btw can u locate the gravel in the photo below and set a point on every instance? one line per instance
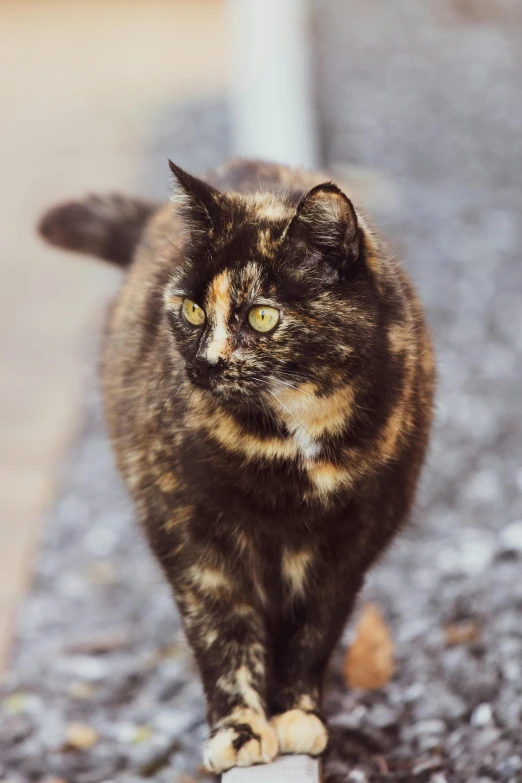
(101, 685)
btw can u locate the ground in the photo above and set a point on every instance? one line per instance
(427, 95)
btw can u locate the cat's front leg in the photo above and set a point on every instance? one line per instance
(227, 635)
(296, 701)
(304, 646)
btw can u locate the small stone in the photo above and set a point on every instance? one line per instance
(428, 742)
(475, 556)
(483, 487)
(382, 716)
(129, 733)
(125, 732)
(85, 667)
(485, 738)
(440, 704)
(80, 736)
(427, 764)
(511, 537)
(471, 557)
(428, 727)
(172, 722)
(481, 716)
(510, 766)
(100, 541)
(414, 692)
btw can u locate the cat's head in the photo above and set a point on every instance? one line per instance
(275, 290)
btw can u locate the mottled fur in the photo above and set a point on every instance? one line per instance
(269, 471)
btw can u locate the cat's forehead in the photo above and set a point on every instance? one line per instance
(268, 206)
(235, 286)
(250, 243)
(256, 224)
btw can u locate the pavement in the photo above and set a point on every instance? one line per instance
(101, 685)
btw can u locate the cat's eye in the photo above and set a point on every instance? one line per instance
(193, 313)
(263, 318)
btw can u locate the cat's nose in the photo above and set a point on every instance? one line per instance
(206, 370)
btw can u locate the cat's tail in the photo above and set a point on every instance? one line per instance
(105, 226)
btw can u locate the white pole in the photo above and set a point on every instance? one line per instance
(270, 81)
(285, 769)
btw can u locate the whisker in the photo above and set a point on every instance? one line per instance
(290, 413)
(161, 375)
(291, 386)
(187, 404)
(171, 394)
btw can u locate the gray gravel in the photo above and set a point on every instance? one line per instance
(429, 94)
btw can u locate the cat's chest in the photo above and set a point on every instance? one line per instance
(307, 447)
(291, 464)
(278, 473)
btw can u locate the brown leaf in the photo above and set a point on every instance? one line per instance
(107, 642)
(81, 690)
(79, 736)
(465, 632)
(369, 662)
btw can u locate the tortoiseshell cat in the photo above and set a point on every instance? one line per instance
(268, 382)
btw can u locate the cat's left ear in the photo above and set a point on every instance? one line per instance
(325, 221)
(198, 203)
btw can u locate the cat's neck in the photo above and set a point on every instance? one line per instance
(298, 411)
(310, 414)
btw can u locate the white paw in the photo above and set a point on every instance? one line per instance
(243, 739)
(300, 732)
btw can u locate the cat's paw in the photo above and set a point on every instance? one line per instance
(300, 732)
(243, 739)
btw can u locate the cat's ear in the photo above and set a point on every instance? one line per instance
(197, 202)
(325, 222)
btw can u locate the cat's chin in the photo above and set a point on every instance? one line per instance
(233, 395)
(226, 393)
(236, 397)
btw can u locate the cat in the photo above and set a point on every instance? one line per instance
(268, 381)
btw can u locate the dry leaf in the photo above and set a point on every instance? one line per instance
(107, 642)
(369, 662)
(81, 690)
(466, 632)
(15, 703)
(184, 778)
(143, 734)
(79, 736)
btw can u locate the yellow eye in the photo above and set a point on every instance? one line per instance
(263, 318)
(192, 313)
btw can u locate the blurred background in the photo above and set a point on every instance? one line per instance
(417, 107)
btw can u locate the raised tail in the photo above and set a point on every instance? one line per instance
(105, 226)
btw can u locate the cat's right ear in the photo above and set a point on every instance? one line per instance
(197, 202)
(325, 223)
